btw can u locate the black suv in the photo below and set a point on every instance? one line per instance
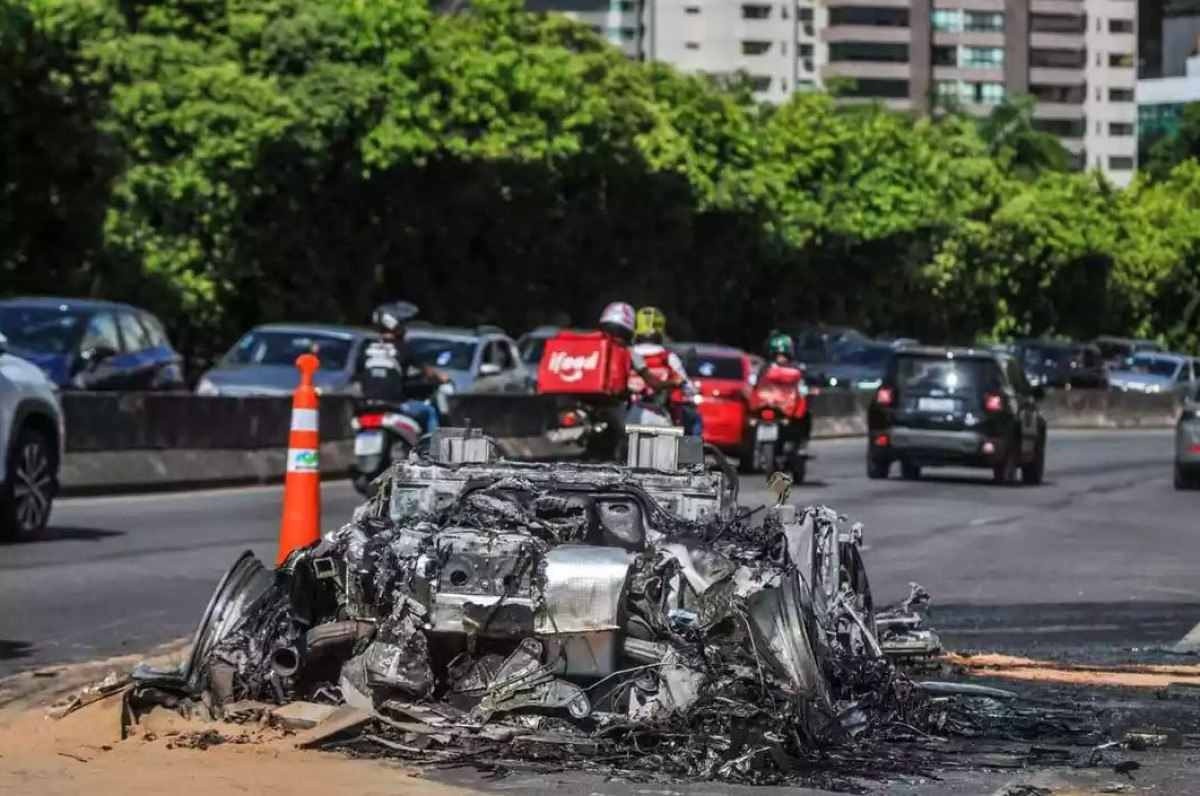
(956, 407)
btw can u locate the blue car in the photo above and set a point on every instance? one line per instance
(88, 344)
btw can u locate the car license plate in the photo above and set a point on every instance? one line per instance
(767, 432)
(368, 443)
(944, 405)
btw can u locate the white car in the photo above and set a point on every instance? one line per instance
(31, 444)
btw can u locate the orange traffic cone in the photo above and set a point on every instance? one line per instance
(301, 525)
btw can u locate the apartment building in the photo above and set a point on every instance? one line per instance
(624, 23)
(1076, 57)
(776, 44)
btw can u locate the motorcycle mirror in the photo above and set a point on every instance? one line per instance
(489, 369)
(3, 344)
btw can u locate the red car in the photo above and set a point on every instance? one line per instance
(721, 375)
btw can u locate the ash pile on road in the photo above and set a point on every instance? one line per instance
(630, 618)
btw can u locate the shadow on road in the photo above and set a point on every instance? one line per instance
(981, 480)
(67, 533)
(10, 650)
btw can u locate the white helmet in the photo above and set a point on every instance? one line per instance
(390, 317)
(617, 320)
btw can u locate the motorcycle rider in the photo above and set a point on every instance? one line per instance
(661, 369)
(386, 368)
(781, 351)
(781, 368)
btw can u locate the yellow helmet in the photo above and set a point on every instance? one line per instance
(650, 322)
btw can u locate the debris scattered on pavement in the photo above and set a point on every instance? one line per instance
(625, 619)
(1179, 680)
(110, 686)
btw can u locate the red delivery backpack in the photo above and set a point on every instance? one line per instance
(583, 363)
(780, 387)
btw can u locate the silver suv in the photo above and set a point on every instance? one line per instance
(31, 446)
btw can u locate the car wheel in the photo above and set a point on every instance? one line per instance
(910, 471)
(1005, 471)
(799, 471)
(1184, 480)
(1033, 473)
(28, 496)
(877, 468)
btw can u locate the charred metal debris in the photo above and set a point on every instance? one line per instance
(628, 617)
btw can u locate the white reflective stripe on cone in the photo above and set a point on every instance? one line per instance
(303, 460)
(304, 420)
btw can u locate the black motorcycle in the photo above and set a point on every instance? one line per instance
(779, 443)
(384, 434)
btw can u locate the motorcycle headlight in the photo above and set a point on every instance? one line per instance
(206, 388)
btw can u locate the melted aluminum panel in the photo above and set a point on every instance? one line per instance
(583, 589)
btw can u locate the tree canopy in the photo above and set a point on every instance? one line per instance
(227, 162)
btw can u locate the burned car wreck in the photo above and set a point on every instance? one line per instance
(604, 607)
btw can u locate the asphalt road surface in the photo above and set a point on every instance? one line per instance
(1103, 557)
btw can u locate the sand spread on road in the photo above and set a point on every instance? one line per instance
(83, 752)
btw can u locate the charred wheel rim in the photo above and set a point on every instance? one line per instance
(33, 485)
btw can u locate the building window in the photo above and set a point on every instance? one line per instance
(945, 21)
(983, 22)
(692, 45)
(1063, 128)
(1057, 23)
(755, 47)
(1120, 163)
(1058, 59)
(983, 57)
(876, 17)
(868, 51)
(1099, 94)
(691, 10)
(760, 83)
(805, 50)
(1066, 94)
(946, 90)
(1099, 127)
(988, 93)
(804, 14)
(881, 89)
(1120, 95)
(1120, 26)
(756, 12)
(1120, 60)
(783, 11)
(629, 34)
(945, 56)
(1120, 129)
(627, 6)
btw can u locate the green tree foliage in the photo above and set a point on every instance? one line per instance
(1020, 147)
(1172, 149)
(227, 162)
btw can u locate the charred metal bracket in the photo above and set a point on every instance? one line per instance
(522, 682)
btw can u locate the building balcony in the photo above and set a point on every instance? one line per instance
(1075, 7)
(1057, 41)
(893, 103)
(871, 33)
(989, 39)
(866, 69)
(1046, 75)
(869, 3)
(1068, 111)
(1076, 146)
(969, 73)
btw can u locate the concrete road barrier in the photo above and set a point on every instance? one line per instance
(104, 472)
(151, 440)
